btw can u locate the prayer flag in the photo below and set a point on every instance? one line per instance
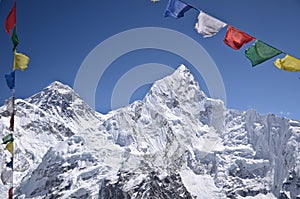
(20, 61)
(10, 80)
(260, 52)
(10, 22)
(236, 38)
(7, 176)
(10, 104)
(12, 121)
(11, 163)
(10, 193)
(176, 8)
(7, 138)
(10, 148)
(288, 63)
(15, 38)
(207, 25)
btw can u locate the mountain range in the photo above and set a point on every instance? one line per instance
(174, 143)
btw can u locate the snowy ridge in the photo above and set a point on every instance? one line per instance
(175, 143)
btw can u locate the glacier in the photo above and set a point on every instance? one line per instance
(174, 143)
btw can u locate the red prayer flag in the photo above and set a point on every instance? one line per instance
(236, 38)
(12, 121)
(10, 193)
(10, 22)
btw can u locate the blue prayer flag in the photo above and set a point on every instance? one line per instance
(176, 8)
(11, 163)
(10, 80)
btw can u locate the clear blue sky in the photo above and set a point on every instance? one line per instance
(59, 34)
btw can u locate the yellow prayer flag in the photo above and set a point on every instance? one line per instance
(288, 63)
(20, 61)
(10, 148)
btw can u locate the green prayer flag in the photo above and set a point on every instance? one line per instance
(260, 52)
(7, 138)
(15, 38)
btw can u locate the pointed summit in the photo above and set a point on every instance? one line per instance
(183, 74)
(62, 88)
(180, 86)
(54, 95)
(55, 90)
(61, 100)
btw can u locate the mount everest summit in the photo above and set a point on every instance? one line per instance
(175, 143)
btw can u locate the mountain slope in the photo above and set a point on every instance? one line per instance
(175, 143)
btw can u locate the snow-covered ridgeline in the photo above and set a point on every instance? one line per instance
(176, 140)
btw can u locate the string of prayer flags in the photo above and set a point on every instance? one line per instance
(207, 25)
(10, 148)
(21, 61)
(15, 39)
(236, 38)
(8, 138)
(10, 80)
(288, 63)
(260, 52)
(10, 22)
(176, 9)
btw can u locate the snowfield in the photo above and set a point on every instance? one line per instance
(175, 143)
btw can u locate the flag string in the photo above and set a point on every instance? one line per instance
(209, 26)
(21, 62)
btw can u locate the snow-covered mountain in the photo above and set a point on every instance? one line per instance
(175, 143)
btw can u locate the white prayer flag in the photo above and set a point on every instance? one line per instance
(207, 25)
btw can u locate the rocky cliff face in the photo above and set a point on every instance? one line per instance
(175, 143)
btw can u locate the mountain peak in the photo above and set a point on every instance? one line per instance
(181, 84)
(62, 88)
(183, 68)
(182, 73)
